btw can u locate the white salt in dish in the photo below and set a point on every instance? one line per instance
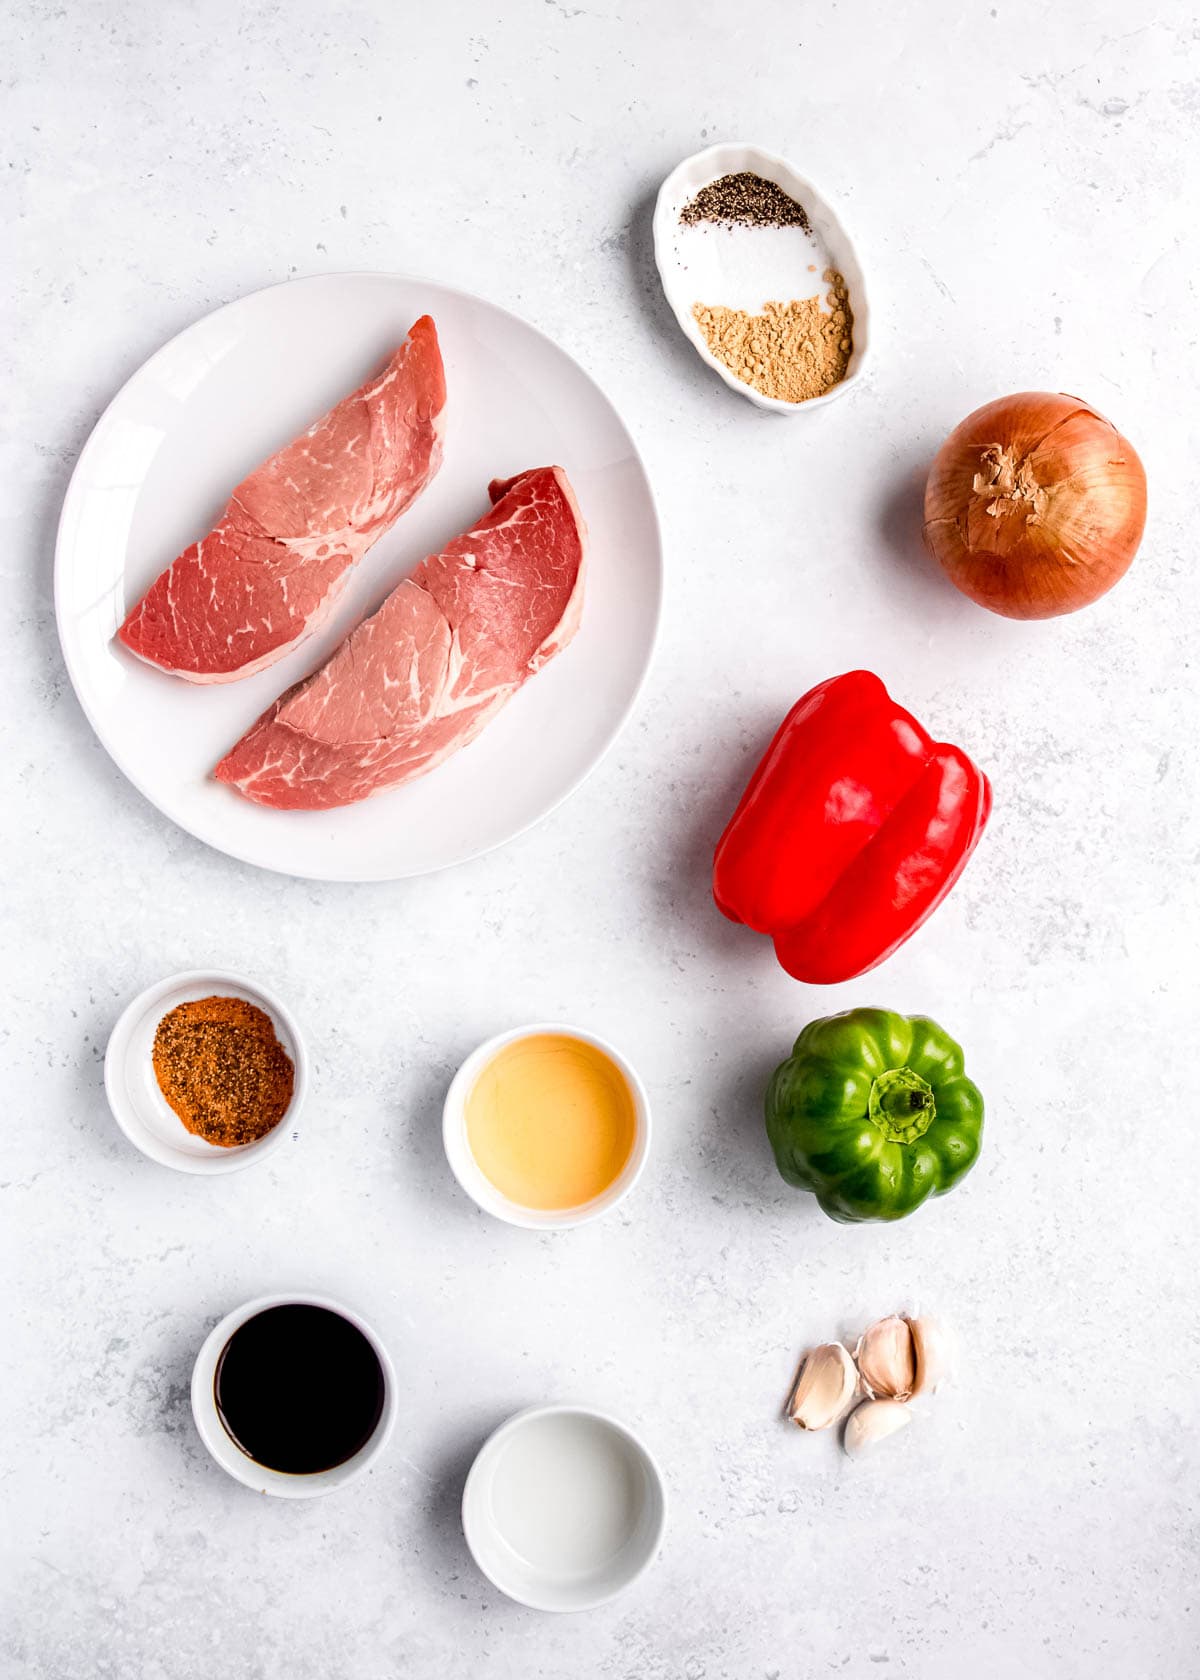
(744, 267)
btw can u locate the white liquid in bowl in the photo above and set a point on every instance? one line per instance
(563, 1509)
(567, 1497)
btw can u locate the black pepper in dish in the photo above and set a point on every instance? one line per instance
(745, 197)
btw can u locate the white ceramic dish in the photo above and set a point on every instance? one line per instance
(216, 401)
(481, 1189)
(230, 1456)
(682, 185)
(139, 1107)
(564, 1508)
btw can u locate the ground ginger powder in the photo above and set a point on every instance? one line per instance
(792, 351)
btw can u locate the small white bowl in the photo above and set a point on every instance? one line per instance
(564, 1508)
(682, 185)
(137, 1103)
(226, 1451)
(481, 1189)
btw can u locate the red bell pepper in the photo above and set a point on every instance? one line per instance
(853, 829)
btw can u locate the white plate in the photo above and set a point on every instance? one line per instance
(220, 398)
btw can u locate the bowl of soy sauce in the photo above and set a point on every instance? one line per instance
(293, 1395)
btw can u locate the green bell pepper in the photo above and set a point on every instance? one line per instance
(873, 1113)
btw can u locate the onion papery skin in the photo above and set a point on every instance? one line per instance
(1035, 505)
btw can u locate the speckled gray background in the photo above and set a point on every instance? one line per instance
(1023, 181)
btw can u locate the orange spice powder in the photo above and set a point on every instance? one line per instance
(222, 1069)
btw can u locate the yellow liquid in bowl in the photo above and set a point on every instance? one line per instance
(551, 1122)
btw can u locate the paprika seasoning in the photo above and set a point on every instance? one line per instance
(222, 1069)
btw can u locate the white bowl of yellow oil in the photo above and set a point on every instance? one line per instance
(564, 1508)
(546, 1126)
(721, 264)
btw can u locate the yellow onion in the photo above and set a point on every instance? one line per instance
(1035, 505)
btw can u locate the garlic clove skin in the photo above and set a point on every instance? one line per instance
(934, 1353)
(873, 1421)
(825, 1385)
(887, 1360)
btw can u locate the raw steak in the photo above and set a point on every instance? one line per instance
(443, 654)
(268, 574)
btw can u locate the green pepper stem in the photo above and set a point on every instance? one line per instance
(902, 1105)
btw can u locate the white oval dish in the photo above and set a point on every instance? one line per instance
(481, 1189)
(137, 1103)
(217, 400)
(682, 185)
(230, 1456)
(564, 1508)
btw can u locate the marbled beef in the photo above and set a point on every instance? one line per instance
(446, 650)
(268, 574)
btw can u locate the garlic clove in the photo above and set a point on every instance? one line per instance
(933, 1350)
(825, 1385)
(873, 1421)
(886, 1357)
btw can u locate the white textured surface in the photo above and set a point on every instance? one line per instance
(1022, 184)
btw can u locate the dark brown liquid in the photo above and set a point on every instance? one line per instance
(299, 1389)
